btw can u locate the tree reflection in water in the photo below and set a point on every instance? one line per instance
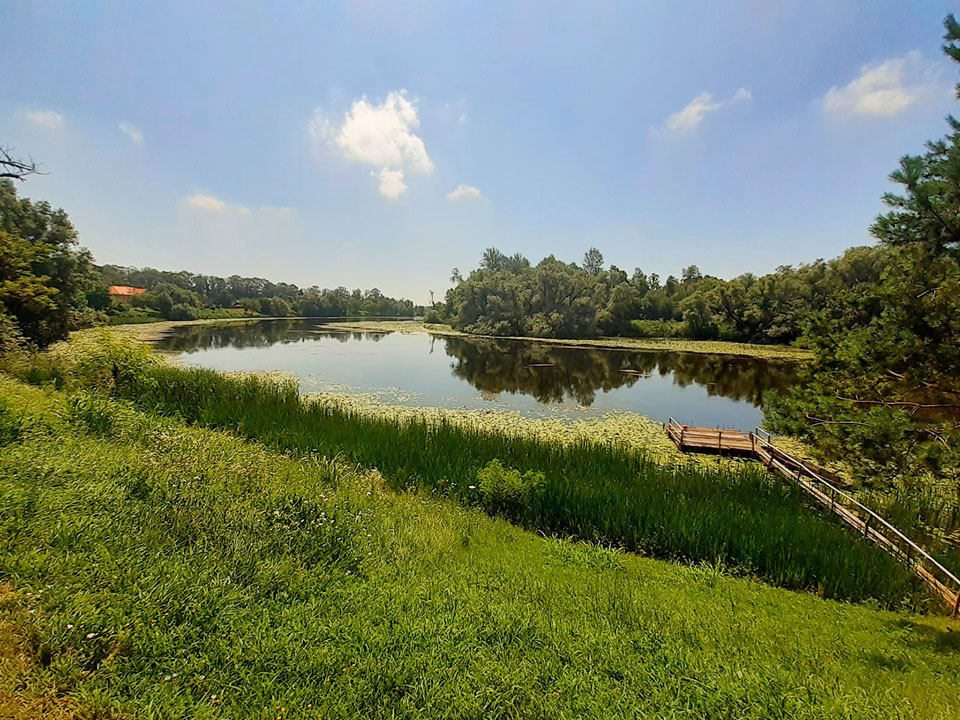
(552, 373)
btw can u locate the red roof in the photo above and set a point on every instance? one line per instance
(126, 290)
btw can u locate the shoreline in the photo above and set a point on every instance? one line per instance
(706, 347)
(151, 332)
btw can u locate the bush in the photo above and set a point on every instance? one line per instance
(658, 328)
(182, 311)
(504, 491)
(434, 315)
(107, 362)
(11, 339)
(86, 317)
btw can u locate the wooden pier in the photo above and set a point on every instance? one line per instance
(812, 479)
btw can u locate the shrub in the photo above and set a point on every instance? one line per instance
(504, 491)
(107, 362)
(182, 311)
(657, 328)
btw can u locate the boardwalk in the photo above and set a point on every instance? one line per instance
(813, 480)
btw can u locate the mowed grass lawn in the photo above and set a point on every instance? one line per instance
(156, 570)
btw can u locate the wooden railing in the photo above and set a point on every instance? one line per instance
(865, 520)
(816, 482)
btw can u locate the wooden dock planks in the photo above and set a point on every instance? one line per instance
(710, 440)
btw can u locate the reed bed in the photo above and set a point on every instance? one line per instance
(602, 493)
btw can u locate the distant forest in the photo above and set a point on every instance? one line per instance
(184, 295)
(508, 296)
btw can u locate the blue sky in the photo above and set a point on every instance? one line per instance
(380, 144)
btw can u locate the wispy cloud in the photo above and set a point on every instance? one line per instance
(378, 135)
(131, 131)
(213, 204)
(691, 116)
(464, 192)
(884, 89)
(44, 118)
(205, 203)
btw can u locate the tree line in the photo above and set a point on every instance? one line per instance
(508, 296)
(179, 295)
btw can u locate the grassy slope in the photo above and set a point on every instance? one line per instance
(178, 557)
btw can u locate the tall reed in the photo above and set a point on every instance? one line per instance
(603, 493)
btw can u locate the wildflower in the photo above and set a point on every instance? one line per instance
(69, 627)
(471, 487)
(90, 636)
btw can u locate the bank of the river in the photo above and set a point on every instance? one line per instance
(151, 569)
(710, 347)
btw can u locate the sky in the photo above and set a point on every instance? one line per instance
(381, 144)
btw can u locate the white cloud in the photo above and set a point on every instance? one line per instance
(45, 118)
(885, 89)
(690, 117)
(131, 131)
(378, 135)
(391, 183)
(464, 192)
(211, 203)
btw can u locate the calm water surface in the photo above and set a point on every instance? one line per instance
(532, 378)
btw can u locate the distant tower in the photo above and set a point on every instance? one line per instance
(431, 298)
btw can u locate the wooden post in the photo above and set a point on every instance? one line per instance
(956, 605)
(866, 527)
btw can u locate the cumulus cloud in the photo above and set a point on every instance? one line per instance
(884, 89)
(382, 136)
(464, 192)
(213, 204)
(392, 185)
(131, 131)
(689, 117)
(45, 118)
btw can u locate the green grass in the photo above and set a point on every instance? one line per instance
(164, 571)
(741, 517)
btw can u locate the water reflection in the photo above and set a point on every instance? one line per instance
(552, 373)
(479, 372)
(253, 334)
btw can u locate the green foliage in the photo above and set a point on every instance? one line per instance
(107, 362)
(11, 423)
(656, 328)
(610, 494)
(44, 276)
(93, 411)
(505, 491)
(174, 572)
(883, 385)
(508, 296)
(255, 295)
